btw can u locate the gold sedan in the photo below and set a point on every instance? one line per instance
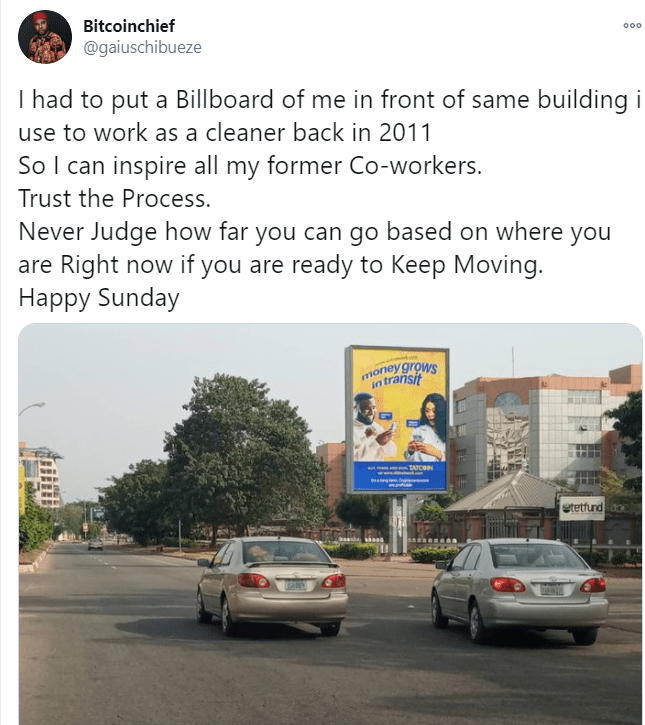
(272, 579)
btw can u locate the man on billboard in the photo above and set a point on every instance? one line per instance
(371, 441)
(428, 441)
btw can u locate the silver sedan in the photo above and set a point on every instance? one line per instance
(531, 583)
(272, 579)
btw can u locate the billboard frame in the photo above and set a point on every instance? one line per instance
(349, 419)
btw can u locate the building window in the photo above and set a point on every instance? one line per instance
(507, 433)
(584, 423)
(31, 468)
(460, 405)
(461, 455)
(587, 478)
(461, 482)
(507, 400)
(584, 450)
(461, 430)
(584, 396)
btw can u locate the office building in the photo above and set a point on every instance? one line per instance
(553, 427)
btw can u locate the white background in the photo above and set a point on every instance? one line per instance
(539, 167)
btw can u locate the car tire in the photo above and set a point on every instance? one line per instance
(476, 628)
(330, 630)
(585, 636)
(203, 617)
(228, 625)
(438, 620)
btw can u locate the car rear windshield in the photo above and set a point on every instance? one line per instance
(541, 556)
(284, 551)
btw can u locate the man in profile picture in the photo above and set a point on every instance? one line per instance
(45, 46)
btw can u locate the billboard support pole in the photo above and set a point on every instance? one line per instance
(398, 524)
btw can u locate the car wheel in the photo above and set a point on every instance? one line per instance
(228, 626)
(438, 620)
(330, 630)
(476, 627)
(585, 636)
(203, 617)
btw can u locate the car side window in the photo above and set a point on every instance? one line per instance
(228, 555)
(473, 558)
(219, 557)
(459, 560)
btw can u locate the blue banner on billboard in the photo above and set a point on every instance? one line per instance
(399, 477)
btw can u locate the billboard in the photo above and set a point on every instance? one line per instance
(22, 500)
(396, 419)
(582, 508)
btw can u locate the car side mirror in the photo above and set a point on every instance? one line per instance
(203, 562)
(442, 564)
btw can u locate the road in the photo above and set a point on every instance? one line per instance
(109, 638)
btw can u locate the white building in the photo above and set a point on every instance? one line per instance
(553, 427)
(41, 471)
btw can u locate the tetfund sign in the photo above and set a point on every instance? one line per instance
(582, 508)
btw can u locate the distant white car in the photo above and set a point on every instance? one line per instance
(531, 583)
(272, 579)
(95, 544)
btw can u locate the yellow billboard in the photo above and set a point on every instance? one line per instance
(21, 489)
(397, 419)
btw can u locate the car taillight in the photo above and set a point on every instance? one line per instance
(255, 581)
(507, 584)
(335, 581)
(593, 586)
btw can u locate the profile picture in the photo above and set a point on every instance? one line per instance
(45, 37)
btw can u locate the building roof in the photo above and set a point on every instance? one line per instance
(515, 489)
(42, 452)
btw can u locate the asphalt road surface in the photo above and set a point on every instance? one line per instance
(110, 638)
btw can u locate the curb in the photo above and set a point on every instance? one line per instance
(31, 568)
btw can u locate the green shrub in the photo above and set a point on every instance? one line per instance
(635, 559)
(430, 554)
(598, 557)
(356, 551)
(331, 549)
(173, 542)
(35, 525)
(619, 558)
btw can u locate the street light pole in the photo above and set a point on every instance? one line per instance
(33, 405)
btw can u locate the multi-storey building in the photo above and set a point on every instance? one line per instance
(41, 471)
(332, 457)
(552, 426)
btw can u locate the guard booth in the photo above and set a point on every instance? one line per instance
(524, 522)
(517, 505)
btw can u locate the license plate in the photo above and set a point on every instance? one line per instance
(552, 590)
(295, 585)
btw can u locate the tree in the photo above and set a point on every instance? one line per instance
(629, 424)
(431, 512)
(135, 502)
(72, 516)
(241, 459)
(35, 525)
(366, 512)
(618, 494)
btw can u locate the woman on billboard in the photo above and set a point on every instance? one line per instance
(428, 441)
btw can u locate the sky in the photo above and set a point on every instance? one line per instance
(112, 391)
